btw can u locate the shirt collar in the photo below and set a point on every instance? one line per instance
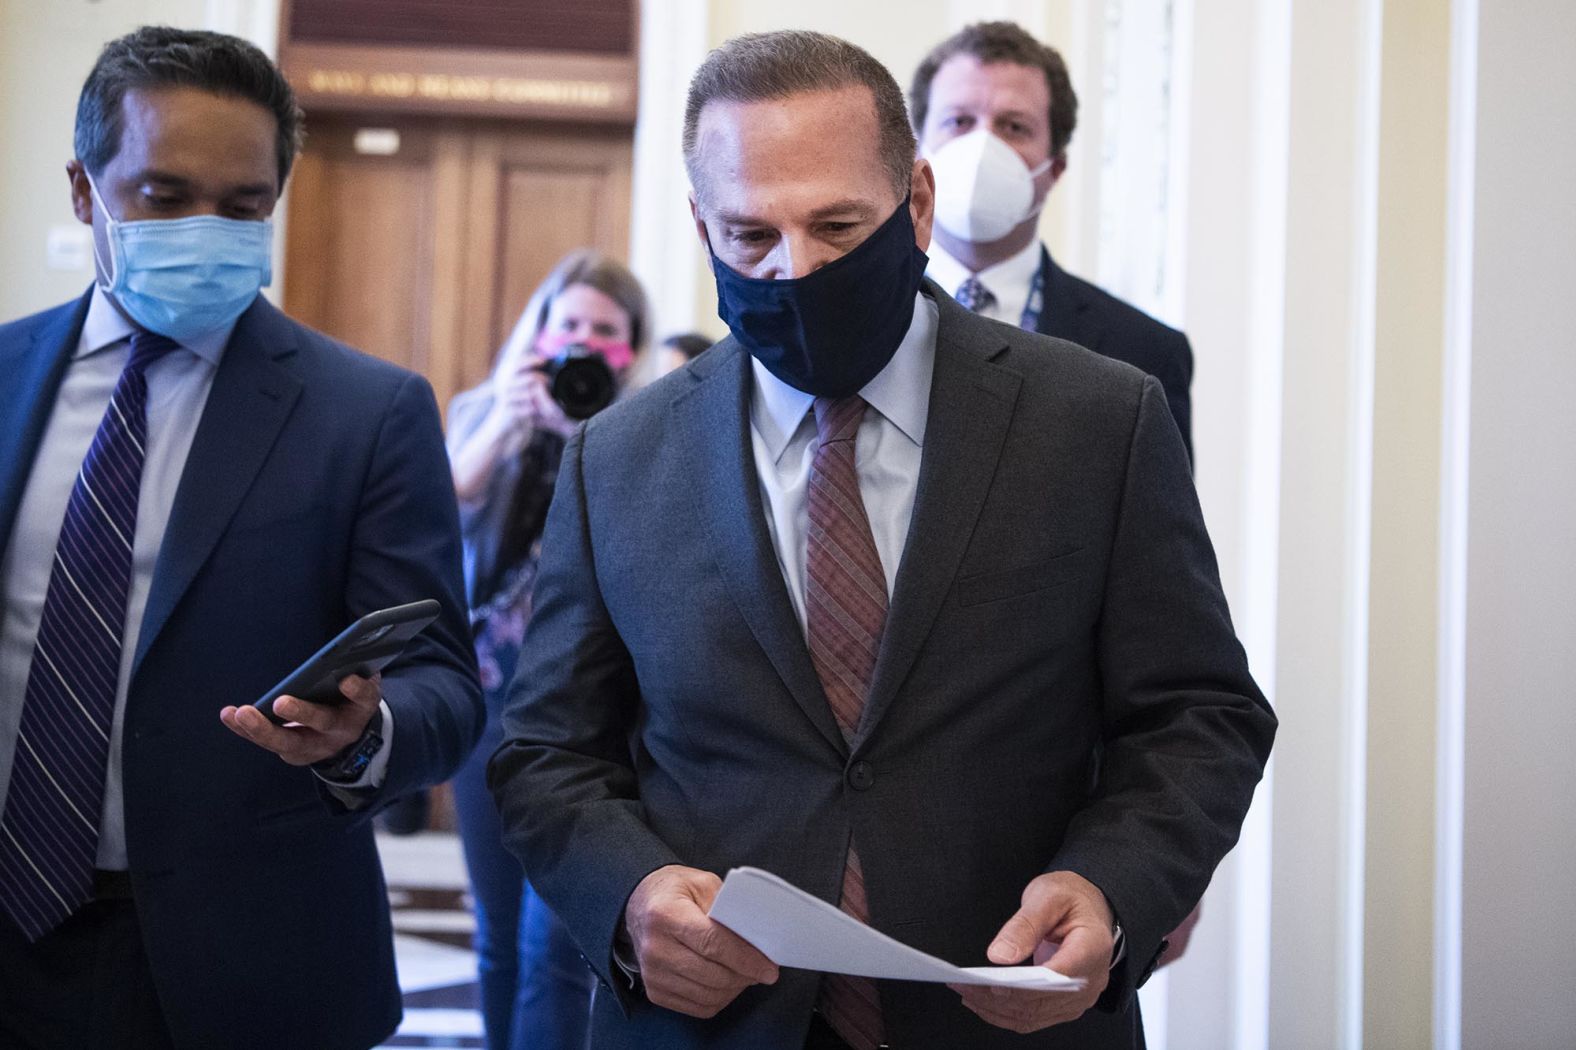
(900, 391)
(105, 326)
(1013, 272)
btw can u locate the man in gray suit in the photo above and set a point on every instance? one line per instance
(949, 648)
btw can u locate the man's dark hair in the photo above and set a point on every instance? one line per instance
(991, 42)
(161, 57)
(757, 67)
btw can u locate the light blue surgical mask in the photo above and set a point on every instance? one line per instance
(185, 278)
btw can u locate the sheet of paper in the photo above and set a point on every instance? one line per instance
(792, 928)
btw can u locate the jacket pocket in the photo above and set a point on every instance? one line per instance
(1001, 584)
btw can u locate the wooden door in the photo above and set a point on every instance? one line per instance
(426, 255)
(535, 195)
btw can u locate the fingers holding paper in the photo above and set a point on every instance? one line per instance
(1058, 908)
(688, 962)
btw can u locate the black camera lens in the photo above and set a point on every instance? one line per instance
(580, 381)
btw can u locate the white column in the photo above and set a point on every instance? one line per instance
(1233, 104)
(254, 20)
(663, 250)
(1450, 744)
(1321, 674)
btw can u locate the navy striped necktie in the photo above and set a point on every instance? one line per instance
(50, 828)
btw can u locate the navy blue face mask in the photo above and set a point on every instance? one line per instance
(833, 330)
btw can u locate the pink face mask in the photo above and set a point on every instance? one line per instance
(618, 355)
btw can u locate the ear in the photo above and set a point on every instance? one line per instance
(81, 192)
(1058, 166)
(922, 202)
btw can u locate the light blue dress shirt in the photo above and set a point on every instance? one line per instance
(887, 452)
(178, 386)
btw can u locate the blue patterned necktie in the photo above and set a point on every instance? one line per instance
(50, 828)
(974, 296)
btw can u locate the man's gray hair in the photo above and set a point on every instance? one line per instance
(758, 67)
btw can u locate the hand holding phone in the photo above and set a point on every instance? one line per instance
(363, 649)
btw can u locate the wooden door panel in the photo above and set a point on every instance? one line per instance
(543, 215)
(426, 257)
(380, 259)
(358, 255)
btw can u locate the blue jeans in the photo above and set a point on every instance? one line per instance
(536, 989)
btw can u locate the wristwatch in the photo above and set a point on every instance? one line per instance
(350, 764)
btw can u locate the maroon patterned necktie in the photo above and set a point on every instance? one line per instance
(845, 610)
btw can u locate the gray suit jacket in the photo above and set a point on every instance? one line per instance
(1059, 685)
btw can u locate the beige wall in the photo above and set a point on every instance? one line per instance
(1403, 601)
(46, 50)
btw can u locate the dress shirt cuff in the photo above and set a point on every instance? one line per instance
(354, 794)
(624, 958)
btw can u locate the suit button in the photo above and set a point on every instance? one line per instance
(861, 776)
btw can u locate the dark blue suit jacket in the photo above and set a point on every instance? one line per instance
(316, 490)
(1081, 313)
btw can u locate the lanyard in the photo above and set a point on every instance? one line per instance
(1030, 322)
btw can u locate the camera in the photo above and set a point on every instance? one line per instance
(580, 380)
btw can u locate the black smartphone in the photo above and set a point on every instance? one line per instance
(363, 648)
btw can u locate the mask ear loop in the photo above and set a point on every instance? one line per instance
(110, 222)
(1034, 173)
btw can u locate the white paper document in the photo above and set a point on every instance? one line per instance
(792, 928)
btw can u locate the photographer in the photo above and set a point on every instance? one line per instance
(574, 345)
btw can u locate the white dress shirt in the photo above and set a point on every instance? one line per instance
(178, 386)
(887, 452)
(1009, 280)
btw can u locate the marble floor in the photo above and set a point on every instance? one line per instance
(432, 940)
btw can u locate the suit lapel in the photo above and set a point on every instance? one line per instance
(715, 415)
(1065, 314)
(33, 370)
(251, 397)
(971, 406)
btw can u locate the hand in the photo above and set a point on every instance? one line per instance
(688, 962)
(527, 403)
(1057, 907)
(315, 731)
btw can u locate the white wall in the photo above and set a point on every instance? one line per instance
(47, 48)
(1518, 965)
